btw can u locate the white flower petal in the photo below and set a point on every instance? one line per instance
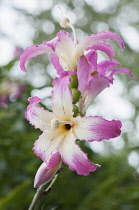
(37, 116)
(47, 145)
(65, 50)
(73, 156)
(95, 128)
(62, 98)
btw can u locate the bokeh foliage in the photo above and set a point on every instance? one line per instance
(113, 186)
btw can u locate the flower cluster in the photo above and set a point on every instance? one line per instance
(80, 79)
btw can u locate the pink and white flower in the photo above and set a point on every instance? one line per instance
(65, 52)
(94, 77)
(61, 129)
(81, 58)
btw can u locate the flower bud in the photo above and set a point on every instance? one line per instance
(45, 175)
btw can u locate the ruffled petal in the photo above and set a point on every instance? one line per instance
(47, 146)
(99, 37)
(62, 98)
(55, 62)
(104, 48)
(45, 175)
(65, 51)
(37, 116)
(33, 51)
(73, 156)
(96, 128)
(52, 43)
(118, 70)
(106, 65)
(83, 73)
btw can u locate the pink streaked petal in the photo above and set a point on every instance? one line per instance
(65, 50)
(106, 65)
(96, 85)
(63, 37)
(47, 146)
(119, 70)
(34, 100)
(73, 156)
(52, 43)
(99, 37)
(83, 73)
(55, 62)
(45, 175)
(62, 98)
(104, 48)
(37, 116)
(92, 58)
(55, 159)
(96, 128)
(33, 51)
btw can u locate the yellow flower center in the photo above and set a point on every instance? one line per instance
(55, 124)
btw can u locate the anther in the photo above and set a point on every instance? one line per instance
(65, 22)
(55, 123)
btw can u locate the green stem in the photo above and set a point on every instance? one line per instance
(40, 192)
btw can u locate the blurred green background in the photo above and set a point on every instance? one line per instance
(116, 184)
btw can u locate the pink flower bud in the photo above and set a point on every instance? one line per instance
(45, 175)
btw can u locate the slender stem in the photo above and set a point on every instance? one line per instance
(37, 197)
(40, 192)
(51, 185)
